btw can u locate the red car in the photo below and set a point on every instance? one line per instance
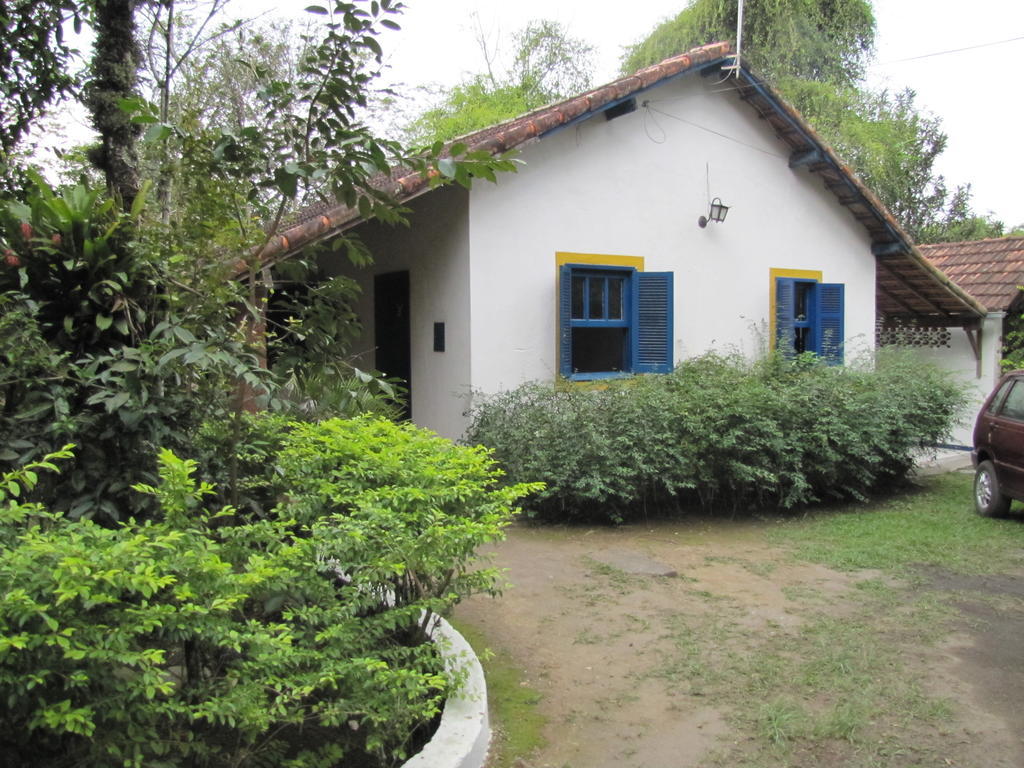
(998, 453)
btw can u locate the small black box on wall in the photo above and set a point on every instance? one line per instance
(439, 337)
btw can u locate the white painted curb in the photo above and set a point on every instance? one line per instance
(464, 735)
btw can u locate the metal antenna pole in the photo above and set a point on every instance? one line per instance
(739, 36)
(735, 66)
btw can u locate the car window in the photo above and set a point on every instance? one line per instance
(1013, 407)
(993, 403)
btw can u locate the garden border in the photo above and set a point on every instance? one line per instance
(464, 734)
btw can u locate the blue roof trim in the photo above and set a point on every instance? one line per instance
(765, 93)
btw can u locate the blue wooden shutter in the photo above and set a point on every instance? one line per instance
(565, 320)
(651, 337)
(829, 326)
(785, 308)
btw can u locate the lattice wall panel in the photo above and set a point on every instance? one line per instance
(907, 335)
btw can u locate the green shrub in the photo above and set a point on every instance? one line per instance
(720, 432)
(1013, 342)
(209, 638)
(125, 337)
(241, 453)
(95, 350)
(397, 506)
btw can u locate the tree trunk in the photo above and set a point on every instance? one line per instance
(163, 184)
(114, 74)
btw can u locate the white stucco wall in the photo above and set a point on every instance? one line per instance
(435, 251)
(635, 186)
(977, 378)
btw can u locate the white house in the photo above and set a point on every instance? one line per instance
(590, 261)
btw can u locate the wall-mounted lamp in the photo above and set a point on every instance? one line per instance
(716, 212)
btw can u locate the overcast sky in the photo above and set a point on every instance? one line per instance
(977, 93)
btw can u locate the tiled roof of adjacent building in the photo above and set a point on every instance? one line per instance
(907, 284)
(992, 271)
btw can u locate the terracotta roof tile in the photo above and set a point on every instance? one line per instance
(990, 270)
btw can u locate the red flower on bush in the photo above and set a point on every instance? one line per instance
(11, 259)
(26, 230)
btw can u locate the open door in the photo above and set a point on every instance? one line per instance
(391, 335)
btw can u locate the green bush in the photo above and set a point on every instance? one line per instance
(210, 638)
(241, 453)
(95, 350)
(1013, 342)
(720, 432)
(103, 344)
(404, 504)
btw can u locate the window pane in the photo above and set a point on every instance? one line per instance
(803, 295)
(598, 350)
(801, 340)
(578, 286)
(994, 403)
(1013, 408)
(596, 292)
(615, 298)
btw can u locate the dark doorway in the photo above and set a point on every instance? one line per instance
(391, 329)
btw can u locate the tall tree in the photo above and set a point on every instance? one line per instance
(825, 40)
(890, 144)
(114, 76)
(175, 38)
(815, 52)
(37, 67)
(547, 64)
(120, 330)
(961, 223)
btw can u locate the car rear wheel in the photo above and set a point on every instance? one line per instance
(988, 497)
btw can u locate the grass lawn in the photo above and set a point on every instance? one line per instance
(932, 525)
(820, 639)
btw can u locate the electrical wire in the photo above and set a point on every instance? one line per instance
(951, 50)
(651, 108)
(649, 115)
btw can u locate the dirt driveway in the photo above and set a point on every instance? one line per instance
(680, 645)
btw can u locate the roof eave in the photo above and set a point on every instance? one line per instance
(899, 241)
(520, 130)
(889, 238)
